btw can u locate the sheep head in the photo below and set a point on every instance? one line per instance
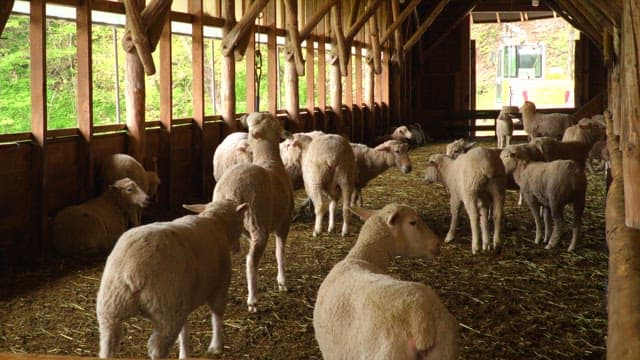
(400, 151)
(432, 173)
(128, 193)
(458, 147)
(229, 212)
(265, 126)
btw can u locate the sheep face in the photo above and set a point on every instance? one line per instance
(432, 173)
(129, 193)
(400, 152)
(265, 126)
(412, 237)
(458, 147)
(402, 132)
(528, 106)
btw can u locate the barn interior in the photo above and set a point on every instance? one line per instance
(366, 66)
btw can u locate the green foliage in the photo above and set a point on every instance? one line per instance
(15, 88)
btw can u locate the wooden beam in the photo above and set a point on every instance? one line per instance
(232, 38)
(399, 20)
(425, 25)
(580, 22)
(294, 51)
(353, 30)
(358, 79)
(272, 66)
(5, 12)
(228, 71)
(85, 98)
(339, 45)
(611, 10)
(376, 52)
(135, 101)
(250, 79)
(460, 19)
(315, 19)
(139, 36)
(597, 21)
(154, 16)
(353, 15)
(322, 75)
(167, 170)
(311, 94)
(395, 13)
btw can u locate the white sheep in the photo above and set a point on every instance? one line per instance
(266, 187)
(538, 124)
(550, 185)
(552, 149)
(372, 162)
(329, 169)
(118, 166)
(291, 154)
(95, 225)
(586, 130)
(363, 313)
(504, 128)
(401, 133)
(458, 147)
(164, 271)
(476, 179)
(233, 150)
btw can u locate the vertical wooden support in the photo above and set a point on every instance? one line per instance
(375, 44)
(336, 64)
(272, 64)
(348, 83)
(358, 70)
(197, 64)
(166, 169)
(228, 91)
(135, 95)
(322, 75)
(37, 29)
(5, 12)
(311, 84)
(85, 96)
(252, 91)
(290, 69)
(630, 131)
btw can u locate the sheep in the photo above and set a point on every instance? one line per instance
(586, 130)
(550, 185)
(553, 149)
(600, 152)
(476, 179)
(458, 147)
(266, 187)
(118, 166)
(329, 169)
(504, 128)
(372, 162)
(538, 124)
(291, 154)
(418, 136)
(95, 225)
(363, 313)
(164, 271)
(233, 150)
(401, 133)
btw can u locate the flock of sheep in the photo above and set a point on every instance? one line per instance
(165, 270)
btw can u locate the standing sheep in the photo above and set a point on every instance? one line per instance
(538, 124)
(164, 271)
(552, 149)
(329, 169)
(504, 126)
(363, 313)
(477, 180)
(266, 187)
(373, 162)
(550, 185)
(118, 166)
(95, 225)
(233, 150)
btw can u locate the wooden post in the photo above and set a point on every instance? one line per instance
(166, 169)
(375, 45)
(425, 25)
(203, 185)
(37, 26)
(397, 21)
(238, 31)
(5, 12)
(272, 65)
(250, 80)
(338, 61)
(85, 98)
(311, 84)
(291, 66)
(358, 79)
(227, 90)
(135, 90)
(322, 75)
(138, 34)
(315, 19)
(293, 49)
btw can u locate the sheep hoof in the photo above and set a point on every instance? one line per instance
(252, 308)
(448, 239)
(571, 248)
(211, 352)
(345, 233)
(315, 233)
(282, 287)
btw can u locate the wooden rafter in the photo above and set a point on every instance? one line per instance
(242, 28)
(612, 10)
(353, 16)
(425, 25)
(5, 12)
(353, 29)
(575, 18)
(154, 16)
(587, 12)
(376, 53)
(466, 11)
(395, 13)
(294, 50)
(400, 19)
(339, 48)
(313, 21)
(139, 35)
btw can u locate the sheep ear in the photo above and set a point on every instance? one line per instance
(242, 208)
(363, 214)
(383, 147)
(287, 134)
(196, 208)
(468, 146)
(393, 218)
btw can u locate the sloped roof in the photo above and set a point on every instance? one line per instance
(509, 16)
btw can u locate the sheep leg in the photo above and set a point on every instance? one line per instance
(546, 213)
(110, 335)
(332, 216)
(319, 206)
(497, 197)
(484, 226)
(507, 142)
(535, 211)
(578, 209)
(454, 205)
(183, 342)
(346, 214)
(164, 334)
(258, 244)
(281, 240)
(500, 142)
(217, 306)
(558, 225)
(472, 210)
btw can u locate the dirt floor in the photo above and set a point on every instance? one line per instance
(523, 303)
